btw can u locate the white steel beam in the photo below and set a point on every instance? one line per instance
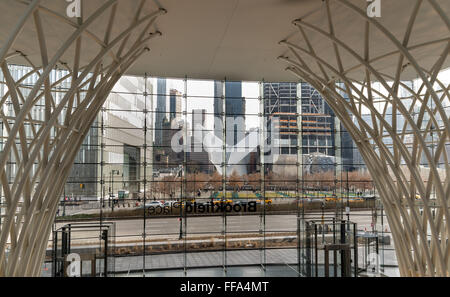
(421, 240)
(33, 198)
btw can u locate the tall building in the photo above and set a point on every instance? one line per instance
(175, 104)
(218, 107)
(318, 123)
(166, 157)
(280, 102)
(347, 146)
(121, 147)
(166, 126)
(235, 123)
(161, 110)
(321, 130)
(197, 157)
(123, 138)
(234, 111)
(198, 122)
(82, 180)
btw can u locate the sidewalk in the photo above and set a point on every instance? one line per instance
(132, 264)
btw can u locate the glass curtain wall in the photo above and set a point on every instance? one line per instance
(214, 174)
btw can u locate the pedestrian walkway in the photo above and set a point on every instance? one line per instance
(206, 259)
(132, 264)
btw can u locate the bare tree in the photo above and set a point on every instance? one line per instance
(215, 181)
(195, 182)
(169, 185)
(235, 180)
(254, 180)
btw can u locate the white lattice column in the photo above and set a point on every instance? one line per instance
(401, 131)
(44, 149)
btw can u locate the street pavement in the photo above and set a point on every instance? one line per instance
(197, 227)
(234, 224)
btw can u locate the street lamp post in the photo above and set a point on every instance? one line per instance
(348, 205)
(111, 193)
(323, 221)
(180, 219)
(64, 202)
(103, 197)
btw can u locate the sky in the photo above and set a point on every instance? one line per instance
(250, 90)
(201, 96)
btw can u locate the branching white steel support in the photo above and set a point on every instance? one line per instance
(44, 149)
(406, 151)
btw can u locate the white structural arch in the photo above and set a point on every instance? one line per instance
(408, 195)
(333, 45)
(45, 159)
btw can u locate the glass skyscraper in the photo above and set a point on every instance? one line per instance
(161, 109)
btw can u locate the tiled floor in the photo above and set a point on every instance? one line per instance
(281, 262)
(204, 259)
(236, 271)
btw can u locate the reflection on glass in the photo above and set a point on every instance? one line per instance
(216, 173)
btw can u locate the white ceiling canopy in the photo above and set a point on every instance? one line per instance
(239, 39)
